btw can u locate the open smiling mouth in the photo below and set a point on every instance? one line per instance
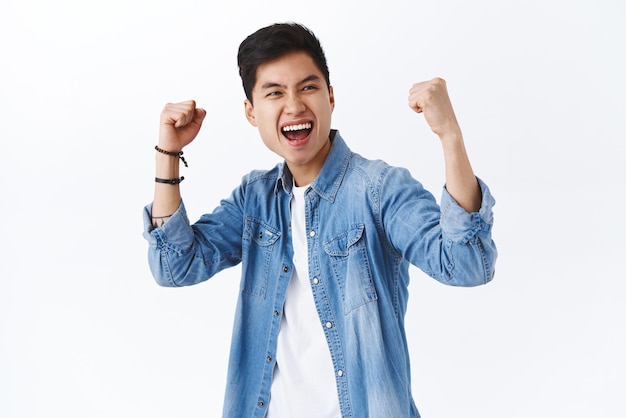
(297, 132)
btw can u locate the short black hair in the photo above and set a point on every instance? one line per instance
(272, 42)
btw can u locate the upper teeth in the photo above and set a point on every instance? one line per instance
(298, 127)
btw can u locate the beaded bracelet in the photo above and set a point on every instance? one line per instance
(169, 181)
(171, 153)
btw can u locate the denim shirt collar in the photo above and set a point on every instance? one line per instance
(327, 182)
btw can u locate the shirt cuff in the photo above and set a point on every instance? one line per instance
(176, 233)
(461, 226)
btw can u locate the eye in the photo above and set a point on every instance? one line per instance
(309, 88)
(272, 94)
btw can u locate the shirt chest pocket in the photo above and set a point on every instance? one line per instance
(259, 241)
(347, 252)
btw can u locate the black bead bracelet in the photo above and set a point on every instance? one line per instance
(173, 154)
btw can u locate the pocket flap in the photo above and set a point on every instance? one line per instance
(340, 245)
(260, 232)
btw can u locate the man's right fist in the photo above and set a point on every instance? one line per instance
(180, 123)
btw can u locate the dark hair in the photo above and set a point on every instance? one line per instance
(273, 42)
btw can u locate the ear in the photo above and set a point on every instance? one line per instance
(332, 98)
(249, 109)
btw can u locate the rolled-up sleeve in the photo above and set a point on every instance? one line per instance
(176, 234)
(461, 226)
(470, 247)
(167, 244)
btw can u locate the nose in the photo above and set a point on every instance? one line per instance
(294, 105)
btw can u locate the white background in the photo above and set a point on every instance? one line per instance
(539, 90)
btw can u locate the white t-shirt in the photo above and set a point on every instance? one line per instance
(304, 379)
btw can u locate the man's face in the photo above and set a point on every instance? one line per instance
(292, 110)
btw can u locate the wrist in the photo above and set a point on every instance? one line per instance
(452, 138)
(167, 147)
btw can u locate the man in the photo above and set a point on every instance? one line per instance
(325, 239)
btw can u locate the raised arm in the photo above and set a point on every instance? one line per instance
(179, 125)
(431, 98)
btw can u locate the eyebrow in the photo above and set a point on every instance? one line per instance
(307, 79)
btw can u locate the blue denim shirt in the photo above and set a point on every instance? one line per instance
(366, 222)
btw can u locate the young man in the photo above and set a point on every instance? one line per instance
(325, 239)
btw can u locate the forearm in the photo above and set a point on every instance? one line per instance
(431, 98)
(461, 181)
(166, 196)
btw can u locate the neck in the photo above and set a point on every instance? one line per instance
(304, 174)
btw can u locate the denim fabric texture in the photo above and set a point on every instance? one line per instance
(366, 223)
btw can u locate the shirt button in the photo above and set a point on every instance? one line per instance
(276, 313)
(329, 325)
(269, 358)
(285, 269)
(340, 373)
(312, 234)
(261, 404)
(316, 280)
